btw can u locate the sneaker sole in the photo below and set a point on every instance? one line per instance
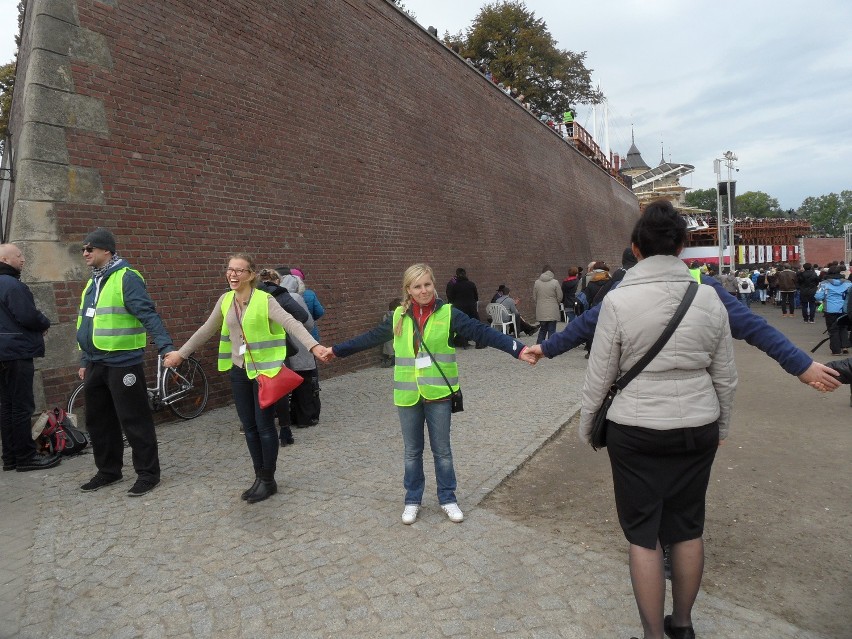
(96, 488)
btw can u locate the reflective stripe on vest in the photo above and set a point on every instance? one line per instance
(266, 339)
(411, 383)
(114, 328)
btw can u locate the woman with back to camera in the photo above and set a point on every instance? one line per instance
(424, 324)
(251, 327)
(665, 426)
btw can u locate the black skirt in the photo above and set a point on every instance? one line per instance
(660, 479)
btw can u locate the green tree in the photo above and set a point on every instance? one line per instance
(7, 84)
(519, 50)
(828, 213)
(702, 199)
(757, 204)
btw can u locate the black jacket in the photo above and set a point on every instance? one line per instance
(808, 282)
(844, 367)
(464, 296)
(21, 323)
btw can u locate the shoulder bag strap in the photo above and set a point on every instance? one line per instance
(637, 368)
(423, 344)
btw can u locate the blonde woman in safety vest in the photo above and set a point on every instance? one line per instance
(420, 392)
(245, 317)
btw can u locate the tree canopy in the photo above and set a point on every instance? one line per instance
(828, 213)
(702, 199)
(520, 52)
(757, 204)
(7, 83)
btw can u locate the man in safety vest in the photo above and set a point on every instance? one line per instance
(115, 311)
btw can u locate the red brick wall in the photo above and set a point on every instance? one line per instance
(822, 250)
(331, 135)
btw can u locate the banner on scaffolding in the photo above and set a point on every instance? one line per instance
(751, 254)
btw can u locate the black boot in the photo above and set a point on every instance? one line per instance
(248, 493)
(286, 436)
(265, 489)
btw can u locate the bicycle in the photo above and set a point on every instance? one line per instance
(184, 390)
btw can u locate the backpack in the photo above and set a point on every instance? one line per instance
(581, 303)
(744, 285)
(59, 434)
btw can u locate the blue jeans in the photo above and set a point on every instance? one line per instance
(258, 423)
(436, 415)
(545, 330)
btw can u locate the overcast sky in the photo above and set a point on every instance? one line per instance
(769, 80)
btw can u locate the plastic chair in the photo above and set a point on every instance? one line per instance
(497, 312)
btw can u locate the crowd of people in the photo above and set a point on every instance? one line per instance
(661, 449)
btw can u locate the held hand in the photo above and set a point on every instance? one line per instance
(323, 353)
(172, 360)
(529, 355)
(81, 373)
(534, 352)
(820, 377)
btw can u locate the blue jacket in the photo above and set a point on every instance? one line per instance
(460, 324)
(745, 325)
(21, 323)
(314, 308)
(140, 304)
(833, 293)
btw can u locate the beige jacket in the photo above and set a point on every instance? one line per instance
(692, 380)
(547, 293)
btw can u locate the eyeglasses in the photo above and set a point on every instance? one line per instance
(237, 271)
(88, 249)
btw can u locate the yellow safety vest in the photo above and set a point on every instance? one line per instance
(114, 328)
(696, 274)
(266, 339)
(410, 382)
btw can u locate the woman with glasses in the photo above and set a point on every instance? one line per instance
(251, 326)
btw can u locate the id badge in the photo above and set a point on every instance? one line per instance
(242, 350)
(422, 360)
(90, 312)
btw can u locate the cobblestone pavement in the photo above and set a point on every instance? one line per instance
(327, 556)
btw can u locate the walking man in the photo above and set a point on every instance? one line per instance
(22, 329)
(115, 311)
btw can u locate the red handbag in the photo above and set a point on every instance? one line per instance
(271, 389)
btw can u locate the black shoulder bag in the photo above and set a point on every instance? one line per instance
(599, 425)
(456, 399)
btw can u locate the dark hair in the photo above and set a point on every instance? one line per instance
(460, 272)
(660, 230)
(394, 303)
(545, 268)
(807, 266)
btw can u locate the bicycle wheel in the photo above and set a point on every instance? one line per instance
(185, 389)
(77, 407)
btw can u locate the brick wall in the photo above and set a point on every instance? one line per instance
(822, 250)
(336, 136)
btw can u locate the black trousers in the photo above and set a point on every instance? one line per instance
(16, 410)
(116, 400)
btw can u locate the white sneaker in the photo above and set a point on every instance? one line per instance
(409, 515)
(453, 512)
